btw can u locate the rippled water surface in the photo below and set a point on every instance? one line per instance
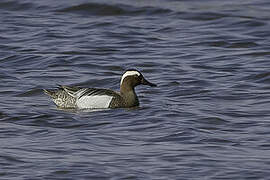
(208, 118)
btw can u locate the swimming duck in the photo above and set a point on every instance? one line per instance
(93, 98)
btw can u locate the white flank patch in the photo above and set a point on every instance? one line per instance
(94, 102)
(129, 73)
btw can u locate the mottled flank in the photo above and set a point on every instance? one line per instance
(61, 98)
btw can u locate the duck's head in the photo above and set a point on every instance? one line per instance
(132, 78)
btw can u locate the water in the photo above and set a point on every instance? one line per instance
(208, 118)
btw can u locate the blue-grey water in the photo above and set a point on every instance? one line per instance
(209, 117)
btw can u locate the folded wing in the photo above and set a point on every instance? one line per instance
(90, 97)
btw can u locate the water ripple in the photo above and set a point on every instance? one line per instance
(208, 117)
(112, 10)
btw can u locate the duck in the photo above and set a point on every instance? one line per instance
(66, 97)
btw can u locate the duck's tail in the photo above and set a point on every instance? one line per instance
(50, 93)
(61, 98)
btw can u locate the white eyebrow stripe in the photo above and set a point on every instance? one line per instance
(129, 73)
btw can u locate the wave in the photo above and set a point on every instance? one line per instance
(113, 10)
(15, 6)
